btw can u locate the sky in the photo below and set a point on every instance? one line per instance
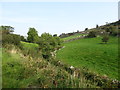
(56, 17)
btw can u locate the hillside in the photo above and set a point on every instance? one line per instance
(76, 35)
(47, 62)
(92, 53)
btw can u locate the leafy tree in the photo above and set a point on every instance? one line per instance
(8, 37)
(6, 29)
(49, 44)
(22, 38)
(86, 29)
(97, 26)
(32, 35)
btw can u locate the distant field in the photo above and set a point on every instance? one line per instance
(29, 45)
(73, 36)
(90, 53)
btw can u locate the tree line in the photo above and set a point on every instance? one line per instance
(47, 43)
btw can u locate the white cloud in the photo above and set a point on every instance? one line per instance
(28, 20)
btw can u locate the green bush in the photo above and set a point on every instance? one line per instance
(22, 38)
(105, 38)
(91, 34)
(48, 44)
(10, 39)
(32, 35)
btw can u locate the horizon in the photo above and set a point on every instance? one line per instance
(57, 17)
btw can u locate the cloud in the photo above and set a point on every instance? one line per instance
(23, 20)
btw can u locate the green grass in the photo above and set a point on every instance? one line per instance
(30, 49)
(90, 53)
(17, 71)
(29, 45)
(11, 73)
(72, 37)
(21, 72)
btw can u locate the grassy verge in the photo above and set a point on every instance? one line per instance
(21, 71)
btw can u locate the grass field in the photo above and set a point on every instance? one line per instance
(90, 53)
(29, 45)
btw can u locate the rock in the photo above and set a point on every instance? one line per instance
(71, 67)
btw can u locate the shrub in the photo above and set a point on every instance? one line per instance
(10, 39)
(105, 38)
(22, 38)
(6, 29)
(91, 34)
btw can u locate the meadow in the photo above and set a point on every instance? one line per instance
(92, 54)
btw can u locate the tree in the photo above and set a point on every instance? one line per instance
(6, 29)
(55, 35)
(22, 38)
(32, 35)
(86, 29)
(8, 37)
(48, 44)
(105, 38)
(97, 26)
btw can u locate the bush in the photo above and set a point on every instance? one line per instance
(22, 38)
(10, 39)
(91, 34)
(105, 38)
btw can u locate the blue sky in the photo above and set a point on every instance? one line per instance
(57, 17)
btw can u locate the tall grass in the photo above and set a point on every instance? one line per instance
(31, 49)
(27, 72)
